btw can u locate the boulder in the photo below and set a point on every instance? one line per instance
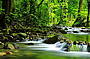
(66, 29)
(75, 32)
(6, 53)
(52, 40)
(63, 31)
(10, 46)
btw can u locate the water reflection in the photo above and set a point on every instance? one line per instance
(78, 37)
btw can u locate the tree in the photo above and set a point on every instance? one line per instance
(7, 6)
(88, 13)
(79, 15)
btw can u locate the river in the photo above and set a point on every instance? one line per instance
(49, 51)
(45, 51)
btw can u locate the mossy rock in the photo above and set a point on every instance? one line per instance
(14, 34)
(9, 46)
(52, 40)
(23, 34)
(19, 36)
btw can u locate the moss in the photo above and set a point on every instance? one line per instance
(51, 35)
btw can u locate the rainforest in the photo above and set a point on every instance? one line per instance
(44, 29)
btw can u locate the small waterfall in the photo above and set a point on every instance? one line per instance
(38, 41)
(49, 47)
(84, 48)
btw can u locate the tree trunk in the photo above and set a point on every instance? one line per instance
(80, 6)
(7, 6)
(12, 6)
(88, 13)
(79, 16)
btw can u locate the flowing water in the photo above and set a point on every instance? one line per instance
(50, 51)
(77, 34)
(45, 51)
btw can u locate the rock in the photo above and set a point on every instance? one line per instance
(63, 31)
(10, 37)
(66, 29)
(29, 44)
(85, 30)
(1, 43)
(22, 34)
(10, 46)
(15, 46)
(19, 36)
(2, 53)
(52, 40)
(82, 28)
(6, 53)
(70, 28)
(75, 32)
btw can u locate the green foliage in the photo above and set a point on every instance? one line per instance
(48, 13)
